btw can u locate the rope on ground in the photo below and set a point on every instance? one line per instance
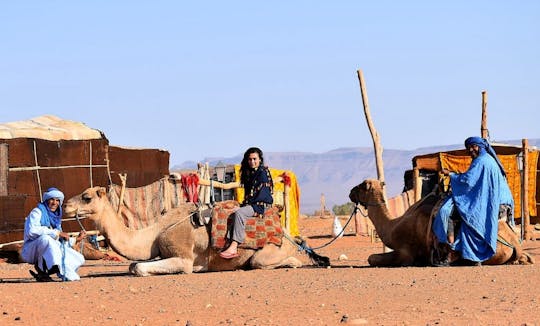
(340, 233)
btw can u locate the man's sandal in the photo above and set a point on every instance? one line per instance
(41, 277)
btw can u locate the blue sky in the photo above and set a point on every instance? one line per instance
(207, 79)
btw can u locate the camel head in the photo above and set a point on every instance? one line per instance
(367, 193)
(90, 204)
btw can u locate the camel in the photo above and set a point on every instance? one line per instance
(181, 247)
(410, 235)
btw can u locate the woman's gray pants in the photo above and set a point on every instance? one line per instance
(237, 232)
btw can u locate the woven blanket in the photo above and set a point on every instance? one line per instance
(259, 230)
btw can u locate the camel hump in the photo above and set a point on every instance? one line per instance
(429, 203)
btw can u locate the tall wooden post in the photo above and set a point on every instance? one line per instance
(376, 139)
(483, 128)
(417, 185)
(374, 134)
(525, 217)
(323, 205)
(287, 207)
(4, 169)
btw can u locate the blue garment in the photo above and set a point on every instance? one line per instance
(41, 243)
(50, 219)
(477, 195)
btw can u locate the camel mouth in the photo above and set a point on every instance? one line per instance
(74, 212)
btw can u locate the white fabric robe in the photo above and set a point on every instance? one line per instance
(40, 244)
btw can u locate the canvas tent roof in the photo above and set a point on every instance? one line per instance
(49, 127)
(47, 151)
(509, 155)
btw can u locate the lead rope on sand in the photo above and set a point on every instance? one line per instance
(341, 232)
(63, 243)
(308, 249)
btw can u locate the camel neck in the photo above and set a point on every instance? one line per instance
(133, 244)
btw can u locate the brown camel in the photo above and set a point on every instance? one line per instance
(181, 247)
(410, 235)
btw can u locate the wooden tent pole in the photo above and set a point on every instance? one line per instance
(417, 185)
(4, 169)
(287, 207)
(123, 180)
(483, 128)
(323, 205)
(374, 134)
(525, 217)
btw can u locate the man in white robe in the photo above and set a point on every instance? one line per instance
(46, 245)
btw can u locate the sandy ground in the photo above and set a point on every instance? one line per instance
(348, 293)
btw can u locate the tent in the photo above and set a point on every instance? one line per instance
(48, 151)
(425, 174)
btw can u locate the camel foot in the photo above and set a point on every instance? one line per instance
(135, 270)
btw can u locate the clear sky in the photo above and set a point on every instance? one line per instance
(205, 79)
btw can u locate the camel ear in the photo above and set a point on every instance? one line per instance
(383, 183)
(101, 192)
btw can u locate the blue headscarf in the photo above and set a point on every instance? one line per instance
(485, 146)
(48, 218)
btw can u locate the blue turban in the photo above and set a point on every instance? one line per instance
(484, 146)
(53, 193)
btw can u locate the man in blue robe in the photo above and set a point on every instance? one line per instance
(46, 245)
(479, 196)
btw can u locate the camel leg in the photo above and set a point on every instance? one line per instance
(171, 265)
(390, 259)
(271, 256)
(506, 254)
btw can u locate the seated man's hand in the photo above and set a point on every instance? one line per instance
(63, 235)
(81, 235)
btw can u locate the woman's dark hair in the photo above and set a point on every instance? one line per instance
(244, 166)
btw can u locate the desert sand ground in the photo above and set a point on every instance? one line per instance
(348, 293)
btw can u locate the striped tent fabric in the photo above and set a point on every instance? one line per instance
(143, 206)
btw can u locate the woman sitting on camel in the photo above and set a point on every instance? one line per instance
(258, 186)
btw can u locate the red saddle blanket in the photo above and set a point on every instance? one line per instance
(260, 230)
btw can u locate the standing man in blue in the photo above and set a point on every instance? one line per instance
(479, 198)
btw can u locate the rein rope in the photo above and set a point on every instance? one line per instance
(64, 243)
(82, 229)
(305, 247)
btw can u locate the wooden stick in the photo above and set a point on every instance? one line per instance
(483, 128)
(229, 185)
(4, 169)
(525, 217)
(374, 134)
(376, 140)
(323, 205)
(417, 185)
(123, 180)
(71, 234)
(286, 196)
(37, 167)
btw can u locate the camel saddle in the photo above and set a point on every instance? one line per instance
(260, 230)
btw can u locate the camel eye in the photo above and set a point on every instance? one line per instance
(86, 198)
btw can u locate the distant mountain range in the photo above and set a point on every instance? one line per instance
(335, 172)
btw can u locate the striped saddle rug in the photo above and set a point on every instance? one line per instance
(259, 230)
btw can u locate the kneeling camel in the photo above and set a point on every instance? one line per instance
(181, 247)
(410, 235)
